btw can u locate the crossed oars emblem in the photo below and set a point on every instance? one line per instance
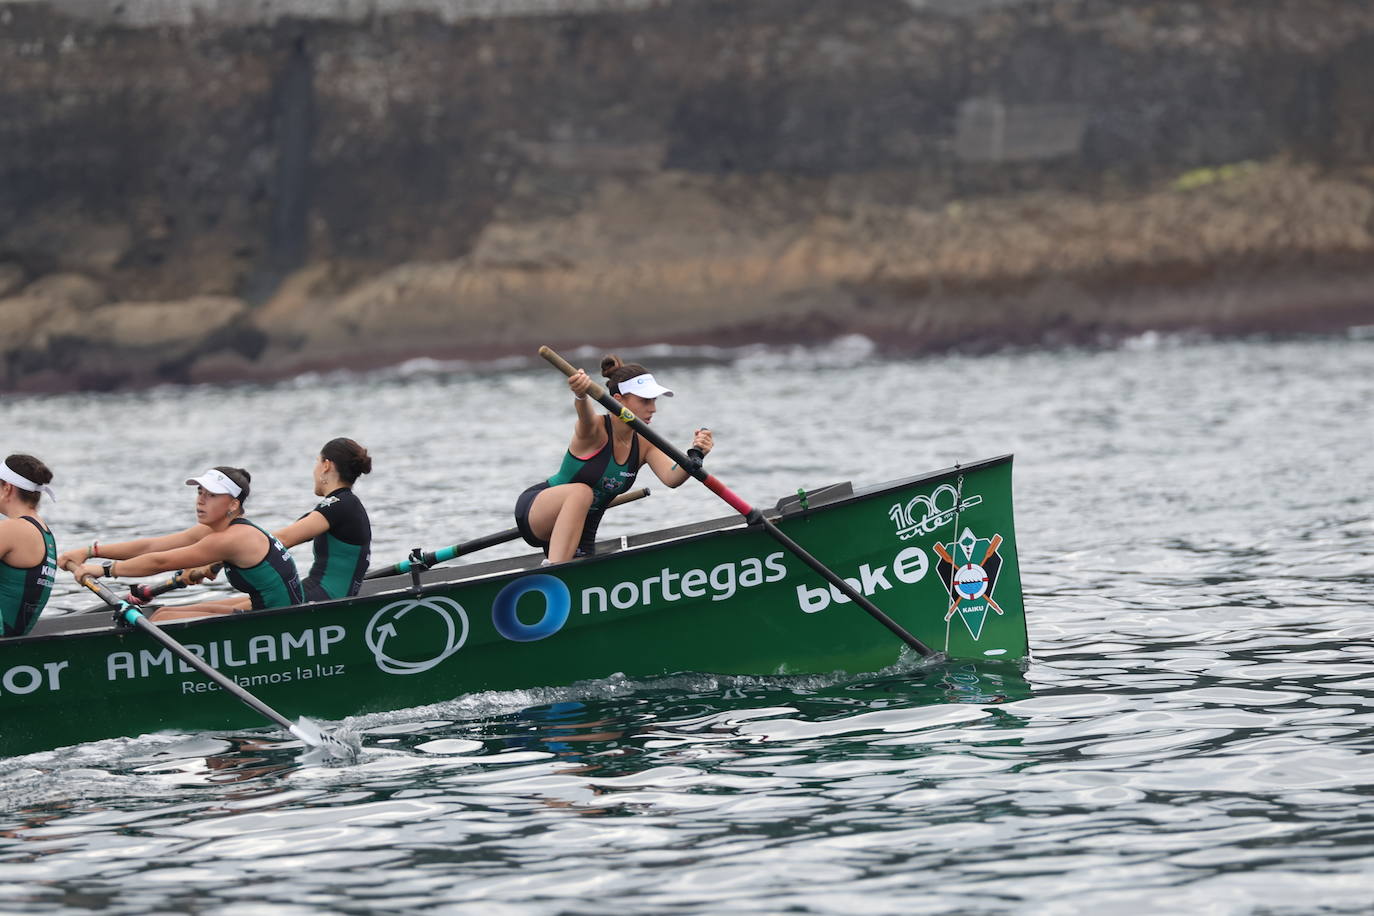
(976, 574)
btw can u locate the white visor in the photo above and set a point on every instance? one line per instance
(644, 386)
(213, 481)
(9, 475)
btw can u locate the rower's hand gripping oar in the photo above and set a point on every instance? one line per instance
(751, 514)
(444, 554)
(304, 729)
(142, 592)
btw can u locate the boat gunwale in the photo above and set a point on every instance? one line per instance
(732, 525)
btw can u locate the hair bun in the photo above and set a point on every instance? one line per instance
(609, 363)
(350, 459)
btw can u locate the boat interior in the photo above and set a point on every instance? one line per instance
(100, 617)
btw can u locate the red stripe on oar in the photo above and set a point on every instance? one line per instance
(725, 493)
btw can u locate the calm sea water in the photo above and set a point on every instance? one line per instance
(1195, 733)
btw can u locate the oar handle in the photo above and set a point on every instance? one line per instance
(754, 516)
(568, 369)
(144, 592)
(629, 497)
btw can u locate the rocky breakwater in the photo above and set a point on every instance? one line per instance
(202, 189)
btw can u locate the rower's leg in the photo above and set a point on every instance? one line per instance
(557, 516)
(208, 609)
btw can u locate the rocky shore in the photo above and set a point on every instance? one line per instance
(211, 193)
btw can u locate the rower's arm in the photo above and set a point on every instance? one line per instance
(306, 528)
(123, 550)
(668, 470)
(587, 427)
(7, 537)
(212, 548)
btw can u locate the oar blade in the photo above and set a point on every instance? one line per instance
(336, 744)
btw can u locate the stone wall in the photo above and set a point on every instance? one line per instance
(291, 156)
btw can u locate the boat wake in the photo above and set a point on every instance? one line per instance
(495, 703)
(151, 763)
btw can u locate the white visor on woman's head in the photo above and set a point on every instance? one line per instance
(213, 481)
(644, 386)
(10, 475)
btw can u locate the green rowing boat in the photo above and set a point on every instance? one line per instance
(937, 553)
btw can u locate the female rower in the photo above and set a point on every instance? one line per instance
(257, 562)
(28, 555)
(561, 514)
(338, 525)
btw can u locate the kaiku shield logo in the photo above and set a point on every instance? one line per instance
(968, 567)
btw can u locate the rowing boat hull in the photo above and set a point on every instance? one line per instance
(719, 597)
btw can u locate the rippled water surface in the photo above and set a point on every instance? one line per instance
(1194, 734)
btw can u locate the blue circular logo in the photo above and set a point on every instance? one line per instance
(557, 604)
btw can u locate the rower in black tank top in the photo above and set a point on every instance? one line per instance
(341, 553)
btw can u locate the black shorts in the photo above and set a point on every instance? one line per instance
(586, 545)
(522, 516)
(314, 591)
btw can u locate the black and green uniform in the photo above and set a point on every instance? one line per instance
(24, 591)
(341, 553)
(273, 582)
(600, 471)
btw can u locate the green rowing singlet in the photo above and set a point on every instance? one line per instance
(24, 591)
(273, 582)
(600, 470)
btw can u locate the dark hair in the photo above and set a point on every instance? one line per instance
(617, 371)
(35, 470)
(350, 459)
(240, 477)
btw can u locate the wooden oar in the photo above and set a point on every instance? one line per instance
(751, 514)
(303, 728)
(444, 554)
(142, 593)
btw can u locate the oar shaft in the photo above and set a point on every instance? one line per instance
(845, 588)
(444, 554)
(132, 615)
(754, 516)
(135, 617)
